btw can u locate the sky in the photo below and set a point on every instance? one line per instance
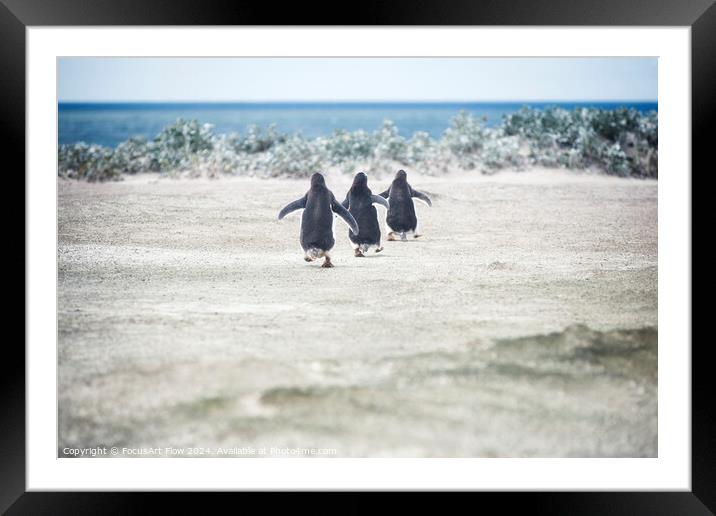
(356, 79)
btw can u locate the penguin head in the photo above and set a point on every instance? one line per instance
(360, 179)
(317, 179)
(401, 175)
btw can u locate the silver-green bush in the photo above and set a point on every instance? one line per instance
(621, 142)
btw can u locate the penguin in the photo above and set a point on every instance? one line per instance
(401, 218)
(359, 202)
(317, 220)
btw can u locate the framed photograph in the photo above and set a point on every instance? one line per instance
(445, 250)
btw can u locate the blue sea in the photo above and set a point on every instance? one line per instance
(111, 123)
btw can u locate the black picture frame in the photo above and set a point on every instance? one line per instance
(17, 15)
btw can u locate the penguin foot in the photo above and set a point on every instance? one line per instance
(358, 253)
(327, 263)
(308, 258)
(403, 238)
(391, 236)
(379, 250)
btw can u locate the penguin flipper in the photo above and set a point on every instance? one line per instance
(345, 202)
(380, 200)
(345, 215)
(385, 194)
(293, 206)
(422, 197)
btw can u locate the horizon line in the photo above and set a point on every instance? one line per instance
(352, 101)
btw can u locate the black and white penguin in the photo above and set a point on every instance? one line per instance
(318, 206)
(401, 218)
(359, 201)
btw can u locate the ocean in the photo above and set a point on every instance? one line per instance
(109, 124)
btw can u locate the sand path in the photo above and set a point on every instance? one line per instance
(187, 316)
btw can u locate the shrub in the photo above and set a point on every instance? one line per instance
(621, 142)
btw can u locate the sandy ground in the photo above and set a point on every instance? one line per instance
(523, 323)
